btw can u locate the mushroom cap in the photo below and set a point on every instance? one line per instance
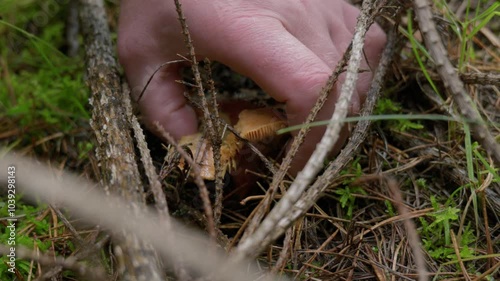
(256, 125)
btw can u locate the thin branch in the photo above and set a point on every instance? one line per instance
(216, 142)
(147, 162)
(488, 78)
(452, 81)
(215, 137)
(260, 238)
(358, 136)
(297, 141)
(111, 125)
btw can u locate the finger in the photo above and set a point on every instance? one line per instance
(283, 66)
(286, 69)
(163, 100)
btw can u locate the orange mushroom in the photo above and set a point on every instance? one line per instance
(255, 125)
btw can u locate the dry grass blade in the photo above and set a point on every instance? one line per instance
(411, 230)
(257, 241)
(456, 247)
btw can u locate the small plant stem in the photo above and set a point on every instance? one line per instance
(488, 236)
(216, 142)
(215, 139)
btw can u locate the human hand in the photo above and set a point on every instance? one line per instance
(288, 48)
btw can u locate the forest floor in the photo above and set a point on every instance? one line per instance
(419, 182)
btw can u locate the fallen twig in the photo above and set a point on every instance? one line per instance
(358, 136)
(277, 221)
(452, 81)
(278, 177)
(111, 125)
(92, 273)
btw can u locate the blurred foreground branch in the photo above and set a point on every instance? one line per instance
(172, 242)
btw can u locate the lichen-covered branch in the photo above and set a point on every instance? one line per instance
(111, 125)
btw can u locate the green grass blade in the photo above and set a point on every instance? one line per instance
(435, 117)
